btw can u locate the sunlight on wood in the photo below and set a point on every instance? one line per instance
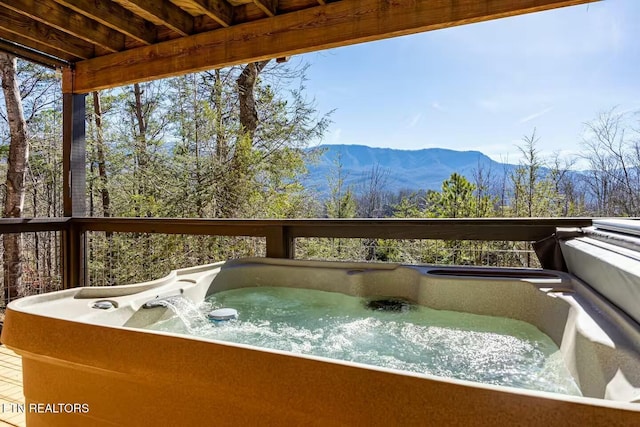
(11, 394)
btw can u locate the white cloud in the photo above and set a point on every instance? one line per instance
(436, 106)
(535, 115)
(414, 120)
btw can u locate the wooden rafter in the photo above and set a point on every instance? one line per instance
(335, 24)
(33, 30)
(170, 15)
(218, 10)
(62, 18)
(31, 55)
(37, 46)
(114, 16)
(267, 6)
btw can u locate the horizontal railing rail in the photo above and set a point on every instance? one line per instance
(280, 234)
(514, 229)
(31, 225)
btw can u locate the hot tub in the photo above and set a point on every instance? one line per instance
(86, 355)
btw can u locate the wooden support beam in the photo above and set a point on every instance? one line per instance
(267, 6)
(114, 16)
(74, 268)
(30, 55)
(218, 10)
(74, 151)
(336, 24)
(168, 13)
(280, 244)
(322, 2)
(27, 53)
(29, 29)
(65, 20)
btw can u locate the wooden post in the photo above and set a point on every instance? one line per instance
(74, 182)
(280, 244)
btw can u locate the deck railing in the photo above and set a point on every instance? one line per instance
(279, 236)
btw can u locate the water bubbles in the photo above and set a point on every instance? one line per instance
(458, 345)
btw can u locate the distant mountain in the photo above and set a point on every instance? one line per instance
(407, 169)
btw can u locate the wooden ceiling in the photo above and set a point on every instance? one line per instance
(108, 43)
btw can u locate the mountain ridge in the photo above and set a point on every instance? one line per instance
(422, 169)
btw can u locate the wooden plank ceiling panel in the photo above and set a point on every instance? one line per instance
(29, 54)
(267, 6)
(162, 13)
(63, 19)
(218, 10)
(114, 16)
(30, 29)
(37, 46)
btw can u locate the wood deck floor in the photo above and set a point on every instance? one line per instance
(11, 394)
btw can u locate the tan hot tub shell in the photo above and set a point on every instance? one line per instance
(73, 353)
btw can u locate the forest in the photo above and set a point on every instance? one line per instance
(235, 143)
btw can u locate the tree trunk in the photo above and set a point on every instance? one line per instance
(236, 180)
(16, 171)
(246, 85)
(141, 147)
(102, 166)
(142, 157)
(104, 190)
(222, 150)
(198, 172)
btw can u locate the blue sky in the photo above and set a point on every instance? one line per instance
(485, 86)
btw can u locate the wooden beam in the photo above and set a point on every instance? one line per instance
(37, 46)
(30, 55)
(73, 257)
(279, 231)
(218, 10)
(28, 28)
(32, 225)
(168, 13)
(280, 244)
(267, 6)
(336, 24)
(114, 16)
(322, 2)
(74, 151)
(66, 20)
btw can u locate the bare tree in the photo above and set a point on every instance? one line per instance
(614, 163)
(103, 180)
(483, 180)
(568, 200)
(371, 192)
(370, 201)
(16, 170)
(502, 186)
(102, 168)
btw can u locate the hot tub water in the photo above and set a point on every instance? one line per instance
(485, 349)
(191, 318)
